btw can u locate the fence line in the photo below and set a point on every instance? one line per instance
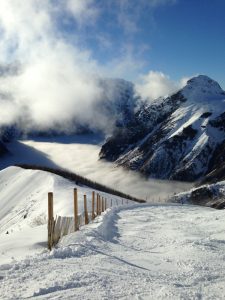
(61, 226)
(79, 180)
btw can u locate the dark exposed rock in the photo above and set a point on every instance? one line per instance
(3, 149)
(206, 115)
(189, 132)
(158, 143)
(219, 122)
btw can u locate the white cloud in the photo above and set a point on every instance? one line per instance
(183, 81)
(82, 10)
(56, 83)
(129, 12)
(155, 84)
(126, 65)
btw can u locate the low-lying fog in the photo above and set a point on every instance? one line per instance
(80, 154)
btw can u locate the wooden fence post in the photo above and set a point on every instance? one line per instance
(50, 221)
(97, 203)
(103, 205)
(76, 221)
(93, 205)
(85, 210)
(100, 205)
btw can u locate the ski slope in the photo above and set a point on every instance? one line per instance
(23, 209)
(133, 252)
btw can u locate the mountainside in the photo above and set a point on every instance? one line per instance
(212, 195)
(181, 137)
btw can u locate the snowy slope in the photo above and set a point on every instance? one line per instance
(23, 208)
(212, 195)
(139, 252)
(178, 137)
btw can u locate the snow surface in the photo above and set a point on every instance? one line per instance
(133, 252)
(23, 209)
(203, 89)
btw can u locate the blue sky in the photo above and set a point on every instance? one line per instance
(177, 37)
(154, 43)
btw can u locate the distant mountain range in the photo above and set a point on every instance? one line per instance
(180, 137)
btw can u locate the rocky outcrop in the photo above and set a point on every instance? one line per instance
(212, 195)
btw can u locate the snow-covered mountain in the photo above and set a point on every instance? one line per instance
(179, 137)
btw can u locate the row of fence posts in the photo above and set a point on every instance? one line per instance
(99, 205)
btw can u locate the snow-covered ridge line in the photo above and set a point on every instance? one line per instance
(24, 209)
(212, 195)
(78, 179)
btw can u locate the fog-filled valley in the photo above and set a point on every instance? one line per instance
(80, 154)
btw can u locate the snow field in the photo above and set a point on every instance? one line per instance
(134, 252)
(23, 209)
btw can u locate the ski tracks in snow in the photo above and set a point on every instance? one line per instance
(133, 252)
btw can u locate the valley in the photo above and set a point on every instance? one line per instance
(80, 154)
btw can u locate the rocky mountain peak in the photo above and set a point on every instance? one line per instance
(202, 88)
(180, 137)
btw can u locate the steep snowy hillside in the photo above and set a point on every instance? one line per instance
(23, 209)
(180, 137)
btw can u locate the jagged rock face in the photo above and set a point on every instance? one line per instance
(216, 168)
(3, 149)
(179, 137)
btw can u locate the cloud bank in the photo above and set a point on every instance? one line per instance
(156, 84)
(49, 76)
(55, 83)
